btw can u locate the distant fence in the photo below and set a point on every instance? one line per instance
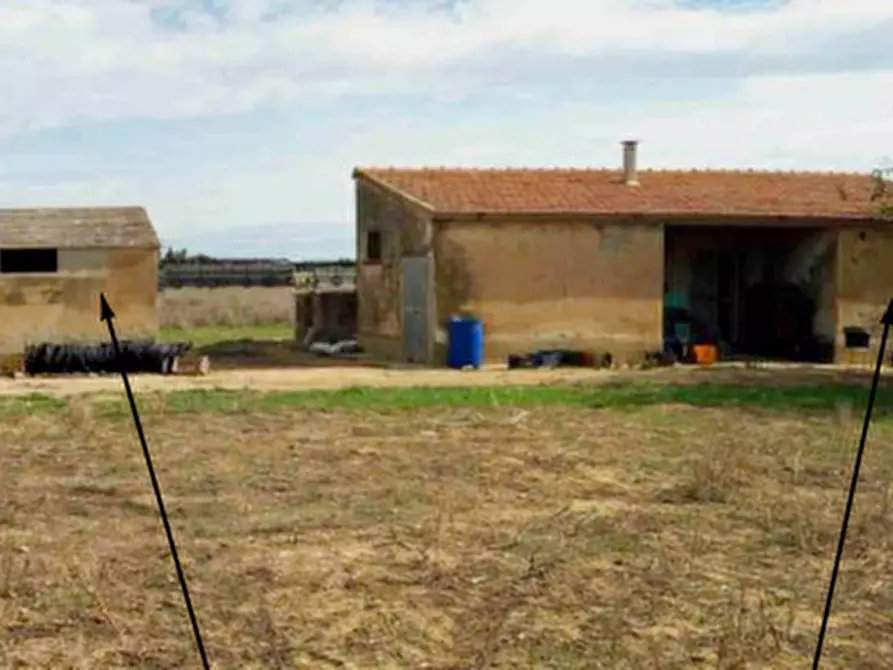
(252, 273)
(325, 277)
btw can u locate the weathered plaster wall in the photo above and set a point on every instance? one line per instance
(405, 230)
(552, 283)
(812, 267)
(864, 280)
(64, 306)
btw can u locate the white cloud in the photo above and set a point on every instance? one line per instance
(797, 84)
(112, 58)
(780, 123)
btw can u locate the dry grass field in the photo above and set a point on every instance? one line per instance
(231, 306)
(209, 316)
(624, 526)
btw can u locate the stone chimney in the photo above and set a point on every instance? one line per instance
(630, 174)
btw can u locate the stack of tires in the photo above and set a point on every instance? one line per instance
(136, 357)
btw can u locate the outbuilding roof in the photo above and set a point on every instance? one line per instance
(726, 193)
(62, 227)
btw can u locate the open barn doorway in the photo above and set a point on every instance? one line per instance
(756, 292)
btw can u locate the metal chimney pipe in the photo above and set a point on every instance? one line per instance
(630, 173)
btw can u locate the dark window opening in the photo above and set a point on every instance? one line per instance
(373, 246)
(20, 261)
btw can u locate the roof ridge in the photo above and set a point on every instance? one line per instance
(604, 169)
(71, 208)
(83, 226)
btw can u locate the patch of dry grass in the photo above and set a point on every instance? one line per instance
(559, 537)
(226, 306)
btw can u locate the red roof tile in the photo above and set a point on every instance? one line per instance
(695, 192)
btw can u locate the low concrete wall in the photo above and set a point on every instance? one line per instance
(325, 315)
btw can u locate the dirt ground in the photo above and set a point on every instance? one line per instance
(267, 379)
(451, 538)
(332, 376)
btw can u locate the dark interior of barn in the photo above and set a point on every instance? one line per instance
(754, 292)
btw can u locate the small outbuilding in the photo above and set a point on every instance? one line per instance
(774, 264)
(54, 263)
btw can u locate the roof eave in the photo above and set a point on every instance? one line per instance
(754, 217)
(359, 173)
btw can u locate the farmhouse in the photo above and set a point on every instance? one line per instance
(54, 263)
(774, 263)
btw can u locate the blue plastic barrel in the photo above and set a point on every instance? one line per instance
(465, 346)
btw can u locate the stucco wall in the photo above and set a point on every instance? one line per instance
(864, 279)
(64, 306)
(552, 283)
(405, 230)
(812, 267)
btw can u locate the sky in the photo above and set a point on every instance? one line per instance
(237, 122)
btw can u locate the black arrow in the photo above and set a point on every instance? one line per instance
(106, 314)
(887, 321)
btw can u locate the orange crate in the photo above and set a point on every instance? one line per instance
(705, 354)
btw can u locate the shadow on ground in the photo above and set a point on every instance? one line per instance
(251, 353)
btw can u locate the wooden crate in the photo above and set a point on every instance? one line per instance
(12, 364)
(191, 366)
(857, 357)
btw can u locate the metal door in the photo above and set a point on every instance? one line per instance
(415, 285)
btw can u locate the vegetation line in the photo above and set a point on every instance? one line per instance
(605, 396)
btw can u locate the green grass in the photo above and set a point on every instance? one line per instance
(611, 396)
(627, 395)
(202, 336)
(35, 403)
(621, 396)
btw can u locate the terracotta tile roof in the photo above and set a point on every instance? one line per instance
(77, 227)
(670, 192)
